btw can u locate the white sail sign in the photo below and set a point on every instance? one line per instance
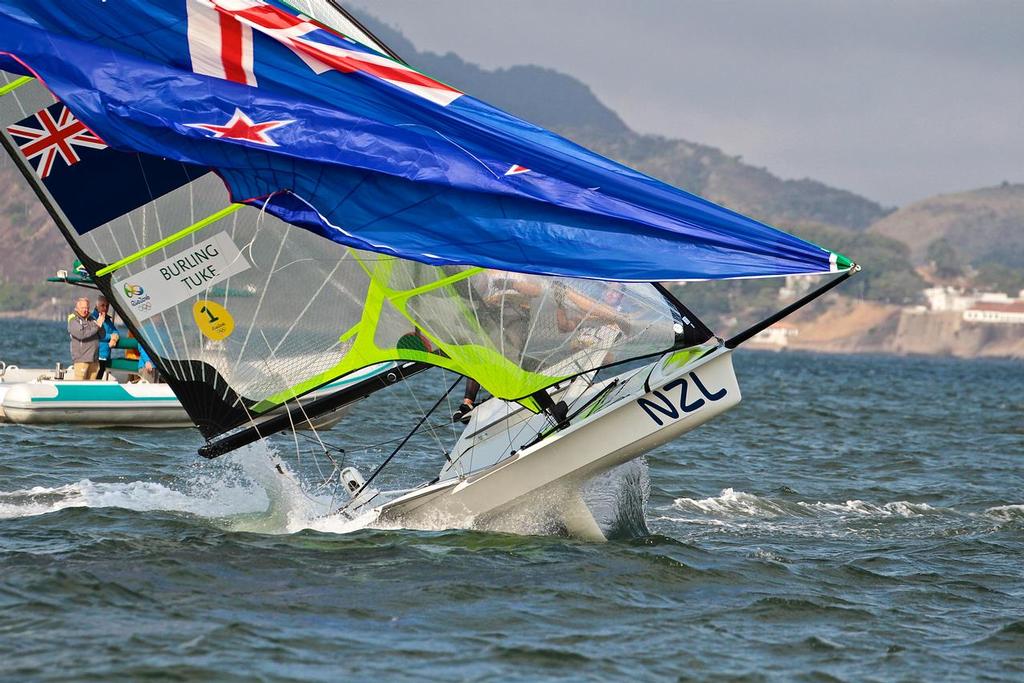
(180, 277)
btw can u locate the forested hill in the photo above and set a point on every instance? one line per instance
(970, 239)
(31, 247)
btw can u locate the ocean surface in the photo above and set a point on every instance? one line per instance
(855, 518)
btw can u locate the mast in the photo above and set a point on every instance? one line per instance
(345, 13)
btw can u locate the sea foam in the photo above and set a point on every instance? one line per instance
(251, 490)
(732, 503)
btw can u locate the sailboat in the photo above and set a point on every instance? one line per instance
(191, 148)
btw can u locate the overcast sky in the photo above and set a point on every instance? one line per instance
(894, 100)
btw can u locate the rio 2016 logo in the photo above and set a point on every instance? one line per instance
(137, 297)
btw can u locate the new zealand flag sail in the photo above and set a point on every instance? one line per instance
(90, 182)
(341, 140)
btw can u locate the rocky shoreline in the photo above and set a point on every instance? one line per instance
(866, 327)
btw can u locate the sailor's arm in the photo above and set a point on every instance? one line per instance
(82, 332)
(591, 307)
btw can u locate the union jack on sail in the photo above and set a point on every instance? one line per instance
(53, 135)
(220, 44)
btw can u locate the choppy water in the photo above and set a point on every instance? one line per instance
(855, 518)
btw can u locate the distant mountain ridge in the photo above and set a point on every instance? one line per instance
(569, 107)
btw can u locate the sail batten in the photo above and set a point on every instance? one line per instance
(169, 240)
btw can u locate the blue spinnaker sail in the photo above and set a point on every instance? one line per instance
(333, 137)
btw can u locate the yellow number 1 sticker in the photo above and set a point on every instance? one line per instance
(213, 320)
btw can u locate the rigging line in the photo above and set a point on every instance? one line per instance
(199, 332)
(302, 409)
(407, 437)
(227, 294)
(451, 142)
(451, 410)
(535, 315)
(324, 481)
(167, 336)
(116, 243)
(293, 262)
(259, 226)
(131, 230)
(184, 341)
(255, 425)
(550, 420)
(419, 409)
(295, 436)
(177, 311)
(21, 105)
(432, 428)
(263, 294)
(309, 302)
(363, 448)
(191, 205)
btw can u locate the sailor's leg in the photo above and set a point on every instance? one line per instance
(81, 370)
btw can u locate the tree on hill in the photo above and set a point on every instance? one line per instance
(945, 259)
(1000, 278)
(888, 276)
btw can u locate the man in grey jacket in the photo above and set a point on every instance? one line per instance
(85, 340)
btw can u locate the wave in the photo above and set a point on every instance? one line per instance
(254, 490)
(250, 490)
(140, 496)
(1007, 513)
(731, 503)
(738, 509)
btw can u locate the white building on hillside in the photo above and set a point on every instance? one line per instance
(996, 312)
(796, 285)
(777, 335)
(948, 299)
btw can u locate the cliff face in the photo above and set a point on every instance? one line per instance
(850, 326)
(950, 334)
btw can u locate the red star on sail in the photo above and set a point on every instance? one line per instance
(243, 128)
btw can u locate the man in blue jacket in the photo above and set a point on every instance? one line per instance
(108, 334)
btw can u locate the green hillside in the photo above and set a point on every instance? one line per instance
(981, 230)
(33, 248)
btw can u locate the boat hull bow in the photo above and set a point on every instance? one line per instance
(543, 483)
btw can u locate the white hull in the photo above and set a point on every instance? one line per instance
(543, 482)
(94, 404)
(12, 374)
(113, 404)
